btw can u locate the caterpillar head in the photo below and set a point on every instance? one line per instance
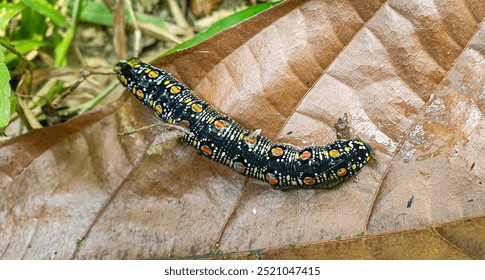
(139, 78)
(125, 69)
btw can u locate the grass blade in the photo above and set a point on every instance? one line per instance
(223, 24)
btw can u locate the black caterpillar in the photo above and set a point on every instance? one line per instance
(223, 140)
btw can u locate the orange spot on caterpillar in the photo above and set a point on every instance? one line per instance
(159, 109)
(305, 155)
(334, 153)
(277, 151)
(123, 80)
(309, 181)
(166, 82)
(271, 178)
(140, 94)
(250, 141)
(220, 124)
(206, 150)
(175, 89)
(342, 172)
(196, 108)
(153, 74)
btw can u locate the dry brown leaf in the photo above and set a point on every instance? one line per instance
(455, 240)
(119, 36)
(409, 74)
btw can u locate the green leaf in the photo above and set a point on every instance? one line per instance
(45, 8)
(24, 46)
(94, 12)
(5, 103)
(224, 24)
(97, 13)
(63, 47)
(143, 18)
(32, 26)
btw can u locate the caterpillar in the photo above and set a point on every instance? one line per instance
(221, 139)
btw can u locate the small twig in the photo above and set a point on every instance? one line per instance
(27, 116)
(177, 14)
(119, 31)
(137, 32)
(84, 74)
(166, 125)
(130, 132)
(78, 53)
(159, 33)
